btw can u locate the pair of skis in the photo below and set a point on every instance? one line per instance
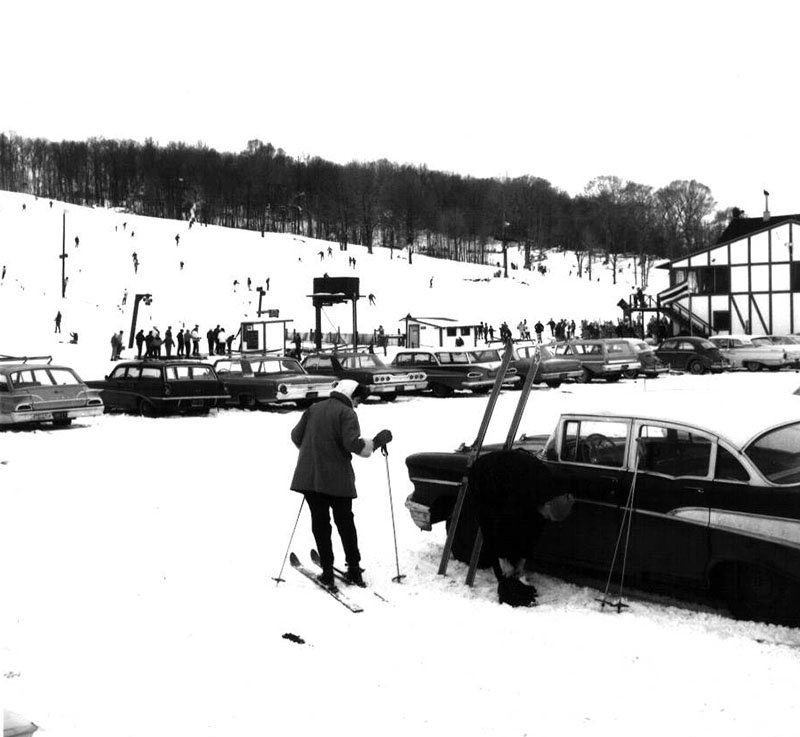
(335, 592)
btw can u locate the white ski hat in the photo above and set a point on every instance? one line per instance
(347, 387)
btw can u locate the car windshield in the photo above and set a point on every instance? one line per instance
(277, 366)
(707, 344)
(777, 454)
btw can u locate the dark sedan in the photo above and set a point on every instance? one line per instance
(692, 354)
(707, 495)
(153, 387)
(375, 377)
(263, 381)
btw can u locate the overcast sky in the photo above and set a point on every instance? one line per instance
(565, 91)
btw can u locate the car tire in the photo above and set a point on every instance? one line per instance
(753, 366)
(613, 378)
(465, 539)
(553, 384)
(630, 373)
(146, 409)
(246, 401)
(441, 391)
(389, 397)
(585, 377)
(696, 368)
(755, 593)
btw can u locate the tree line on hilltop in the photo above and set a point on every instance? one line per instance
(377, 203)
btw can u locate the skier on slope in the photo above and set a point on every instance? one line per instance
(327, 434)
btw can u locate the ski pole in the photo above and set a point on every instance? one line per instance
(278, 579)
(400, 576)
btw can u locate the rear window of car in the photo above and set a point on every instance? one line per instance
(777, 454)
(447, 357)
(43, 377)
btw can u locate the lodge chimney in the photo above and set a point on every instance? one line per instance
(766, 206)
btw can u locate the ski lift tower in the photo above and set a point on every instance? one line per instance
(333, 290)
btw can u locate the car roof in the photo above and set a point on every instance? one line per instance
(7, 368)
(738, 421)
(690, 338)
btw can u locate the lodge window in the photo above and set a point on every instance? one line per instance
(451, 332)
(713, 279)
(795, 276)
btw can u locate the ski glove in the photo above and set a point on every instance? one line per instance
(381, 439)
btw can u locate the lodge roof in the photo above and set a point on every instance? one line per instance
(742, 227)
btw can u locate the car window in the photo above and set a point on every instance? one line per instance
(669, 345)
(777, 454)
(485, 356)
(599, 442)
(685, 345)
(64, 377)
(201, 372)
(118, 372)
(617, 348)
(151, 372)
(290, 365)
(590, 349)
(728, 467)
(673, 452)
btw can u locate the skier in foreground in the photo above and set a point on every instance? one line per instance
(327, 434)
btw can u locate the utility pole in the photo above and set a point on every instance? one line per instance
(64, 255)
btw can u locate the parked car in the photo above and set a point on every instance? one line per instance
(449, 370)
(375, 377)
(789, 343)
(651, 365)
(552, 369)
(601, 358)
(693, 354)
(153, 387)
(267, 380)
(35, 391)
(742, 352)
(711, 491)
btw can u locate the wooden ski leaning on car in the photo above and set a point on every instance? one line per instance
(512, 433)
(474, 452)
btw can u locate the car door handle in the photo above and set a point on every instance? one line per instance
(698, 489)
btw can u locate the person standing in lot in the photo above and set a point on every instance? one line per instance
(327, 435)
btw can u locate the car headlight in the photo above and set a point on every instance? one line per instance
(283, 389)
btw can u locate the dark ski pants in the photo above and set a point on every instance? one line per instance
(320, 506)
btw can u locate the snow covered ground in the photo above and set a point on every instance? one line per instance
(138, 554)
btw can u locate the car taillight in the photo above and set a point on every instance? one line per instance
(379, 378)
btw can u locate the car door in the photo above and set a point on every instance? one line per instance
(589, 461)
(668, 353)
(669, 543)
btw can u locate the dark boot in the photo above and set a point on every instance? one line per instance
(353, 576)
(515, 593)
(326, 578)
